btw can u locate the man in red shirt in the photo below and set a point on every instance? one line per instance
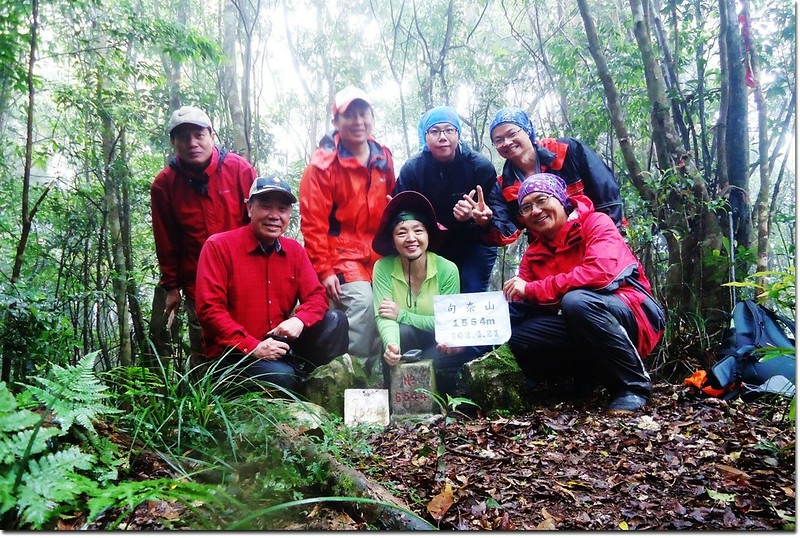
(198, 194)
(259, 301)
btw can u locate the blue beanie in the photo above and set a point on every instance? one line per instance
(514, 115)
(439, 114)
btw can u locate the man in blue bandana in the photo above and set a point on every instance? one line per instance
(583, 171)
(462, 186)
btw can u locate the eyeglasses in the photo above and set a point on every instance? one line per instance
(540, 202)
(434, 132)
(498, 141)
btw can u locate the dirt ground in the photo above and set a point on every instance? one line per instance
(684, 463)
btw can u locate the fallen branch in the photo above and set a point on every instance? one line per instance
(393, 514)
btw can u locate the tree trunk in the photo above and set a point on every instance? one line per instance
(113, 176)
(692, 281)
(615, 109)
(230, 78)
(397, 65)
(737, 149)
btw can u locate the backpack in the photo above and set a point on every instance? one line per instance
(757, 354)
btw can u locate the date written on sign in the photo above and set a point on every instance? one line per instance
(471, 319)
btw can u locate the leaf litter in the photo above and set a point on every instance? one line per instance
(686, 462)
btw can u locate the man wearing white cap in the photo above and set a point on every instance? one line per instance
(198, 194)
(342, 196)
(261, 305)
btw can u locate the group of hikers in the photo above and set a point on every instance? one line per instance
(377, 247)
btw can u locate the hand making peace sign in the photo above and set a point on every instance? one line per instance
(477, 210)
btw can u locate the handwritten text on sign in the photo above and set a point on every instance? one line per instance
(471, 319)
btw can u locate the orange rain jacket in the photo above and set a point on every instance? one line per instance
(341, 202)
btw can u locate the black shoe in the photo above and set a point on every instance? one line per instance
(626, 403)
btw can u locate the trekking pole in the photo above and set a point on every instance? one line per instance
(732, 255)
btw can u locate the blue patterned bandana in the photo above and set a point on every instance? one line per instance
(546, 183)
(439, 114)
(514, 115)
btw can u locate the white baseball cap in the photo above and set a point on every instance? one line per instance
(346, 96)
(188, 114)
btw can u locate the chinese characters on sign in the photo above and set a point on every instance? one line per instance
(471, 319)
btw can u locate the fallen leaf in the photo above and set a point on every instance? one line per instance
(546, 525)
(718, 496)
(732, 472)
(441, 503)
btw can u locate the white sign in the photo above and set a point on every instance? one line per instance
(471, 319)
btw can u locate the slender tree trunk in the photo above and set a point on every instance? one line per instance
(230, 80)
(27, 213)
(700, 66)
(691, 283)
(737, 146)
(615, 109)
(397, 66)
(119, 280)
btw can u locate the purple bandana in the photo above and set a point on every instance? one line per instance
(546, 183)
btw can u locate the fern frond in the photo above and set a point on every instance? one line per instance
(7, 401)
(12, 420)
(13, 447)
(18, 420)
(129, 495)
(74, 394)
(50, 482)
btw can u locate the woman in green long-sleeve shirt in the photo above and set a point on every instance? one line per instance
(405, 280)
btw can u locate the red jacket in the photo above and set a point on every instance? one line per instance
(243, 293)
(186, 213)
(588, 252)
(341, 202)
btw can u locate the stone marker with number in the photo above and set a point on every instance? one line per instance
(406, 379)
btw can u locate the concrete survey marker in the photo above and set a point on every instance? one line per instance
(406, 379)
(366, 406)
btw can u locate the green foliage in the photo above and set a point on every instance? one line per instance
(448, 403)
(129, 495)
(31, 329)
(38, 478)
(779, 288)
(74, 395)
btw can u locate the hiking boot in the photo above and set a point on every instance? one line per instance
(626, 403)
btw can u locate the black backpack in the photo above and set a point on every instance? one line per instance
(757, 354)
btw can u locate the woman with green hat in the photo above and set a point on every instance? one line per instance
(405, 281)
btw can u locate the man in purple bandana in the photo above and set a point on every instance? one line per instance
(580, 304)
(462, 186)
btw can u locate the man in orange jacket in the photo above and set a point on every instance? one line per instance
(343, 193)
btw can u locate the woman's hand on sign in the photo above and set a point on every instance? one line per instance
(392, 354)
(446, 350)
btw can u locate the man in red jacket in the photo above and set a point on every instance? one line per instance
(581, 302)
(261, 305)
(198, 194)
(342, 196)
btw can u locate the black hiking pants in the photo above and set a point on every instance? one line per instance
(593, 338)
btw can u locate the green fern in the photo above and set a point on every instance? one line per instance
(52, 485)
(129, 495)
(74, 395)
(39, 480)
